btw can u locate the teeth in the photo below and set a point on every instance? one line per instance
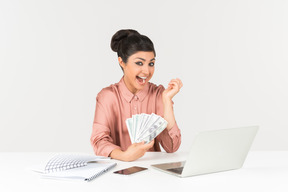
(143, 79)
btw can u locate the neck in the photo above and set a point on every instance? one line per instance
(129, 87)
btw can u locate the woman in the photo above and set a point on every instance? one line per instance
(133, 94)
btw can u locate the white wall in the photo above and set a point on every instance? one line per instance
(55, 57)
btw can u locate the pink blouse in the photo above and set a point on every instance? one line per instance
(114, 105)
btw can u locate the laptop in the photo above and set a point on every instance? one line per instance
(214, 151)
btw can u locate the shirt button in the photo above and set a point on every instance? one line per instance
(136, 98)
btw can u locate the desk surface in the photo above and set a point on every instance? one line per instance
(262, 171)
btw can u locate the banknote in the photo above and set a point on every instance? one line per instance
(149, 122)
(129, 123)
(145, 118)
(154, 134)
(145, 127)
(156, 129)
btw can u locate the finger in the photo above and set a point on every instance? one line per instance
(140, 144)
(149, 145)
(178, 81)
(152, 142)
(174, 84)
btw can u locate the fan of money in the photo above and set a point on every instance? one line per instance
(145, 127)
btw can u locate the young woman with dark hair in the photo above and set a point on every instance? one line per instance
(133, 94)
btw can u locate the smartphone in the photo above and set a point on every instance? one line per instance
(130, 170)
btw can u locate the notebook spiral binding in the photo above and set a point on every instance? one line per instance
(64, 162)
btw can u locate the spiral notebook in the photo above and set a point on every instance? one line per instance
(85, 173)
(74, 166)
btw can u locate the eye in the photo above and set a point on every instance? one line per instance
(139, 63)
(151, 64)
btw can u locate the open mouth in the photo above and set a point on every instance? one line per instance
(141, 80)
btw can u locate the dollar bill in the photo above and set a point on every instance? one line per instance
(153, 135)
(145, 118)
(145, 127)
(129, 123)
(155, 128)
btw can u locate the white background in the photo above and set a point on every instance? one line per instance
(55, 56)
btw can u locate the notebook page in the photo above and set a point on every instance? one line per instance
(62, 162)
(88, 172)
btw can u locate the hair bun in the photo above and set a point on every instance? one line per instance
(119, 35)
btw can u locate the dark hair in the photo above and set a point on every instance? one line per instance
(126, 42)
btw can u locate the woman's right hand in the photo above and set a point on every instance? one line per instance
(137, 150)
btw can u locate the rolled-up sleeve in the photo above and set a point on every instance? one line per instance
(101, 139)
(170, 140)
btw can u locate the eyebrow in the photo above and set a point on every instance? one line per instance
(144, 59)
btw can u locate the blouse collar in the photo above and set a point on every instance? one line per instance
(128, 95)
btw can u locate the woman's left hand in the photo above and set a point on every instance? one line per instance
(174, 87)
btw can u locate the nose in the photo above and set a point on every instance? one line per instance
(145, 70)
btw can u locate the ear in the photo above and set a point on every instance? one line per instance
(121, 62)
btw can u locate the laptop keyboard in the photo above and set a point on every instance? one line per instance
(177, 170)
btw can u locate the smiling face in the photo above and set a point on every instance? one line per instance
(138, 70)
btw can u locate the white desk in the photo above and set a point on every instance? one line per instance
(262, 171)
